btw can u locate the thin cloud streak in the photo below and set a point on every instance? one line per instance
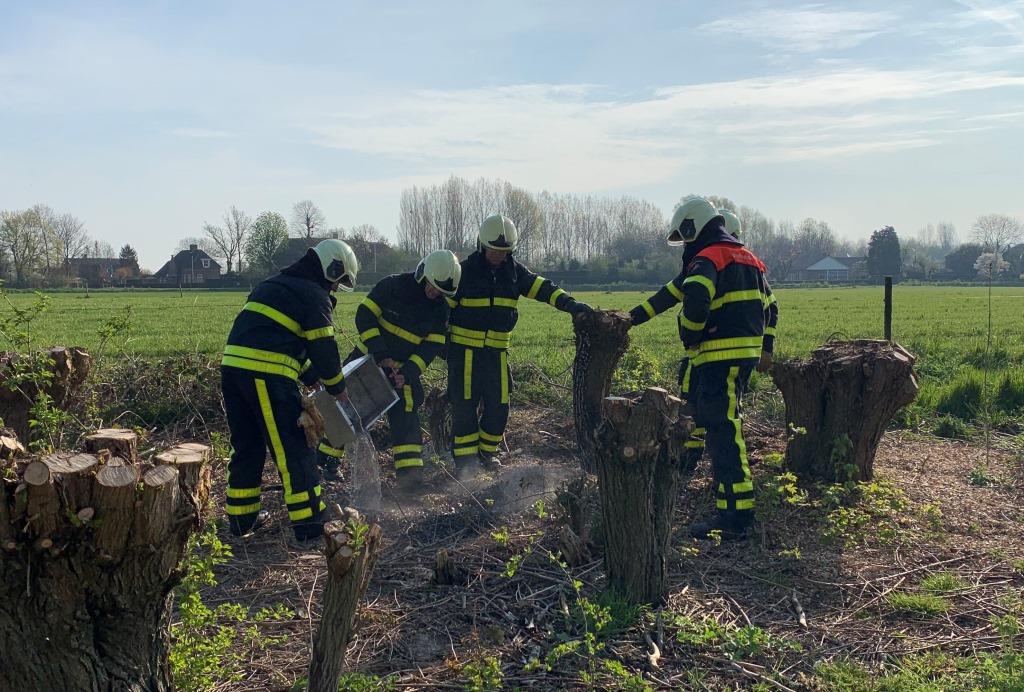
(807, 29)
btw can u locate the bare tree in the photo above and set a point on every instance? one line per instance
(237, 225)
(100, 249)
(204, 244)
(947, 236)
(20, 237)
(72, 240)
(996, 232)
(218, 239)
(49, 255)
(307, 220)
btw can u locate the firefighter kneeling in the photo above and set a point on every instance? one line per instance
(402, 323)
(727, 326)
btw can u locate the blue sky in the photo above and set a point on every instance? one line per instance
(147, 119)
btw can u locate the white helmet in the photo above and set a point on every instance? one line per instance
(497, 232)
(338, 262)
(732, 222)
(689, 219)
(442, 270)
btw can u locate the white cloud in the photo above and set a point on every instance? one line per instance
(807, 29)
(583, 138)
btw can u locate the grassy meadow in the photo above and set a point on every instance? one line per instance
(945, 326)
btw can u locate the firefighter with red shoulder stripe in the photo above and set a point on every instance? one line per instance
(727, 325)
(284, 334)
(484, 313)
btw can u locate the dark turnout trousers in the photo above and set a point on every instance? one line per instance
(695, 443)
(406, 434)
(262, 412)
(715, 391)
(478, 376)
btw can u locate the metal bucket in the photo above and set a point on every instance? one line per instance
(370, 395)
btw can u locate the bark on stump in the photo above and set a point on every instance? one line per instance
(838, 404)
(638, 447)
(90, 555)
(350, 561)
(602, 337)
(68, 368)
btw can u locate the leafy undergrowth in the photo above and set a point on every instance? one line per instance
(910, 582)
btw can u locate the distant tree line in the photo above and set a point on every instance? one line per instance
(604, 240)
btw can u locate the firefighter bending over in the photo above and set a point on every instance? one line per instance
(284, 333)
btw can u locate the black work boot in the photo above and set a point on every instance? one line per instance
(732, 525)
(467, 468)
(306, 542)
(489, 461)
(247, 526)
(330, 469)
(409, 480)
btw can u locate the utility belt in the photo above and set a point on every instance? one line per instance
(474, 338)
(258, 360)
(717, 350)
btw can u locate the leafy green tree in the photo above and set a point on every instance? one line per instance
(268, 237)
(884, 253)
(129, 259)
(961, 261)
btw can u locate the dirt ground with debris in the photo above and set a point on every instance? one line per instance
(815, 600)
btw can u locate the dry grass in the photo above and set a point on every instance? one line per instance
(422, 634)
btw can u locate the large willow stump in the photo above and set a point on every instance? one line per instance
(838, 404)
(351, 555)
(90, 553)
(638, 446)
(601, 339)
(65, 370)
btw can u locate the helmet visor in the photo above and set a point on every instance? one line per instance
(346, 282)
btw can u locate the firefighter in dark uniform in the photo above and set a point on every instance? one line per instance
(727, 326)
(402, 323)
(483, 316)
(284, 333)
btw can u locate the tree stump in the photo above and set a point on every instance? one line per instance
(350, 561)
(447, 572)
(602, 337)
(192, 461)
(10, 446)
(838, 404)
(638, 448)
(67, 368)
(89, 558)
(118, 441)
(574, 550)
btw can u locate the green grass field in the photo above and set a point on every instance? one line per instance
(945, 326)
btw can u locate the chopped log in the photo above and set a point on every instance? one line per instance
(118, 441)
(574, 549)
(114, 491)
(602, 337)
(155, 517)
(73, 475)
(447, 572)
(98, 616)
(838, 404)
(66, 370)
(192, 461)
(638, 448)
(349, 564)
(43, 501)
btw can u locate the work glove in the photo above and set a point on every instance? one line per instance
(311, 422)
(578, 308)
(765, 363)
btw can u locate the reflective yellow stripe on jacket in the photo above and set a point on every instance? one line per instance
(258, 360)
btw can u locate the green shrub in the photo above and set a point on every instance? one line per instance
(638, 368)
(924, 605)
(952, 428)
(1010, 393)
(961, 397)
(942, 582)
